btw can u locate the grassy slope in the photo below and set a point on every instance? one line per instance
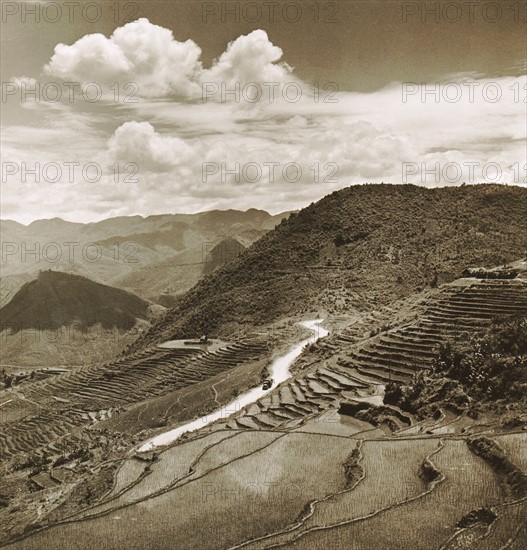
(382, 241)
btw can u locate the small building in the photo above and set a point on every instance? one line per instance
(484, 273)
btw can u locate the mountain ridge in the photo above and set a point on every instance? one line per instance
(121, 245)
(358, 247)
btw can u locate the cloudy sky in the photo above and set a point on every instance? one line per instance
(118, 108)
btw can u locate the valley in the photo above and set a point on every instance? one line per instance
(394, 416)
(263, 275)
(398, 462)
(156, 257)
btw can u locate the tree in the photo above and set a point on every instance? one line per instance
(339, 240)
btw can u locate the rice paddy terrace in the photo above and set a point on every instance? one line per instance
(459, 310)
(395, 354)
(296, 489)
(42, 415)
(319, 462)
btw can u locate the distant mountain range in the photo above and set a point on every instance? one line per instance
(156, 257)
(354, 250)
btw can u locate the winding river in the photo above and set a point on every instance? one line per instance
(279, 372)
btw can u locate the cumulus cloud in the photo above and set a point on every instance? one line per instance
(170, 134)
(139, 52)
(249, 58)
(161, 66)
(139, 142)
(250, 72)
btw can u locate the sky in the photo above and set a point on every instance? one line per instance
(114, 108)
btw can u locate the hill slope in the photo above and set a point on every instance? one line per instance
(58, 299)
(225, 251)
(355, 249)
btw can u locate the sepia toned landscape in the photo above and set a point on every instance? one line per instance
(269, 323)
(412, 405)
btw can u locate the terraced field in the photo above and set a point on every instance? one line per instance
(509, 531)
(419, 519)
(389, 474)
(392, 355)
(135, 482)
(303, 397)
(240, 491)
(83, 396)
(318, 462)
(396, 354)
(263, 490)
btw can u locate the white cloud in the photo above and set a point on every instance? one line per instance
(161, 66)
(249, 58)
(138, 52)
(139, 142)
(368, 137)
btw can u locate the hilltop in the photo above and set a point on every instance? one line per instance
(357, 249)
(57, 299)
